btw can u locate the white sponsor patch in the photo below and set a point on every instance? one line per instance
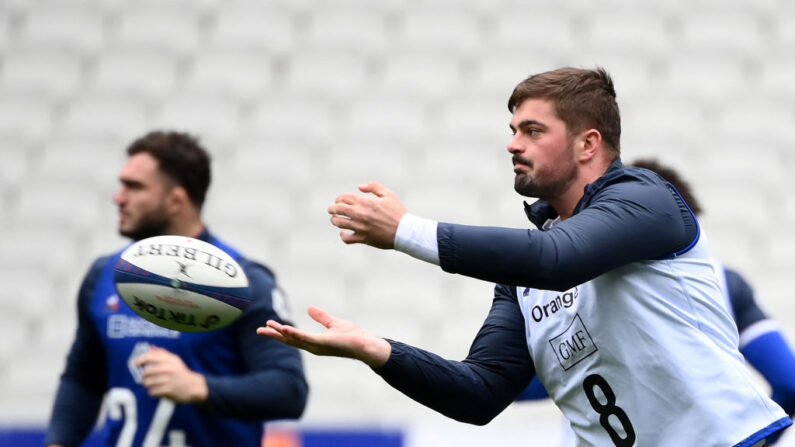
(573, 345)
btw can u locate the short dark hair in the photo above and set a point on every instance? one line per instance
(583, 99)
(672, 176)
(181, 158)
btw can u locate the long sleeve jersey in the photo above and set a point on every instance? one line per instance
(617, 301)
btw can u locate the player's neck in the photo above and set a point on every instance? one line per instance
(567, 202)
(190, 228)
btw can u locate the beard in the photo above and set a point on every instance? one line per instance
(154, 223)
(544, 184)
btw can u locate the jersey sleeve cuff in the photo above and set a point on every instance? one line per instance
(416, 236)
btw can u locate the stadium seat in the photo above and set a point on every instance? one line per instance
(26, 283)
(359, 160)
(721, 29)
(5, 32)
(476, 118)
(146, 75)
(243, 75)
(446, 31)
(273, 163)
(329, 75)
(523, 32)
(13, 331)
(18, 158)
(104, 117)
(64, 26)
(31, 72)
(664, 116)
(496, 73)
(254, 26)
(387, 117)
(776, 76)
(425, 76)
(359, 31)
(270, 209)
(73, 207)
(295, 118)
(757, 116)
(784, 28)
(88, 162)
(159, 28)
(213, 118)
(705, 74)
(25, 118)
(641, 29)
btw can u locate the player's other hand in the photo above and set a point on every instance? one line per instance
(166, 375)
(342, 338)
(371, 219)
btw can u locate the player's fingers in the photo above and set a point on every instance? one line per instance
(342, 209)
(272, 333)
(351, 237)
(344, 223)
(376, 188)
(148, 358)
(347, 197)
(320, 315)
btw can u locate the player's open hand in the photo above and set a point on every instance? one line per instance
(342, 338)
(369, 219)
(166, 375)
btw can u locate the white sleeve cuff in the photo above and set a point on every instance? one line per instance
(416, 237)
(756, 330)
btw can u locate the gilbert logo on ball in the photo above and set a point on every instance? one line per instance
(182, 283)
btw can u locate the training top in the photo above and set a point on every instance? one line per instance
(616, 309)
(250, 378)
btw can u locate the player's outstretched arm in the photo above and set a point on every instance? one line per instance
(342, 338)
(369, 219)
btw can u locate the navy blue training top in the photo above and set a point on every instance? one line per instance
(629, 214)
(250, 378)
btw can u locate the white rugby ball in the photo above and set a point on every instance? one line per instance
(182, 283)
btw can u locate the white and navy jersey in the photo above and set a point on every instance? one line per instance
(617, 309)
(250, 378)
(637, 355)
(760, 340)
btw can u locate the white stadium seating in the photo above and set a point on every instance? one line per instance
(301, 100)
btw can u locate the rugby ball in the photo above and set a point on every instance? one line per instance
(182, 283)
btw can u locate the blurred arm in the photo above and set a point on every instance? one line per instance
(478, 388)
(275, 386)
(83, 382)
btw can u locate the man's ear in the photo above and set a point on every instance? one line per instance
(177, 199)
(590, 144)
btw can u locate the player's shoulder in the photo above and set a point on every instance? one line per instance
(257, 270)
(735, 277)
(100, 263)
(637, 181)
(638, 190)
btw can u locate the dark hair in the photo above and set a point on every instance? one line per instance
(181, 158)
(673, 177)
(583, 99)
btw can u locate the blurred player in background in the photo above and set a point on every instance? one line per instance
(614, 304)
(761, 340)
(163, 387)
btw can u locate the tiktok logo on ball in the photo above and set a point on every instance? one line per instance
(152, 312)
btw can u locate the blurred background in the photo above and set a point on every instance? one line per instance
(300, 100)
